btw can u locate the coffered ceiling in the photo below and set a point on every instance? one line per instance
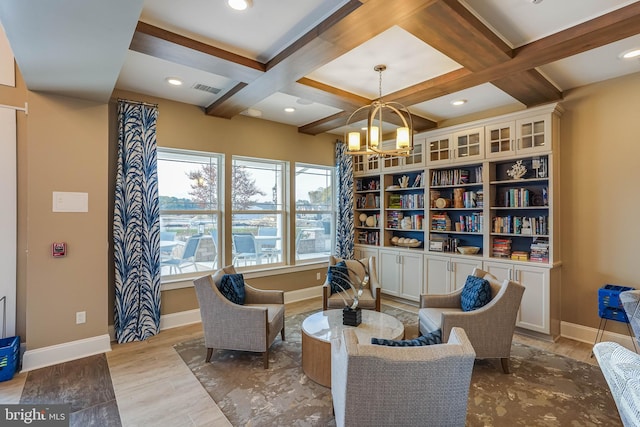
(317, 56)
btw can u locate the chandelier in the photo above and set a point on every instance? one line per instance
(392, 114)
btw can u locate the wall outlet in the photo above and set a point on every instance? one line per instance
(317, 276)
(81, 317)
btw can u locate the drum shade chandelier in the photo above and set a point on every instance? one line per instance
(391, 112)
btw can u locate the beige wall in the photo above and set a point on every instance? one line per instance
(64, 145)
(600, 147)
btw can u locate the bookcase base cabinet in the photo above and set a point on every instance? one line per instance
(445, 274)
(401, 273)
(540, 308)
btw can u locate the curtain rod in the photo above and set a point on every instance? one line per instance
(138, 102)
(13, 107)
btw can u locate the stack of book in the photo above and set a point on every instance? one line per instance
(540, 250)
(501, 248)
(520, 255)
(440, 222)
(393, 219)
(395, 201)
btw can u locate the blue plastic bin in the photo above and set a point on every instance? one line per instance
(609, 305)
(9, 355)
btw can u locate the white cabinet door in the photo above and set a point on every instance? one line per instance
(446, 274)
(534, 310)
(437, 274)
(460, 270)
(533, 135)
(389, 272)
(502, 271)
(416, 158)
(439, 150)
(401, 274)
(468, 145)
(412, 276)
(500, 140)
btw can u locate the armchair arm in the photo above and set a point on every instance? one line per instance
(262, 296)
(326, 293)
(374, 284)
(441, 301)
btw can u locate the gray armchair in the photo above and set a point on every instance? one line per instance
(415, 386)
(370, 298)
(249, 327)
(489, 328)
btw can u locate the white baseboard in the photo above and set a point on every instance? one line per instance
(182, 318)
(60, 353)
(303, 294)
(588, 335)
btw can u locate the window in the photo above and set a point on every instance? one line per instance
(189, 186)
(258, 211)
(315, 212)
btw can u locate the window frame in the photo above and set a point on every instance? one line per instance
(332, 211)
(282, 212)
(218, 213)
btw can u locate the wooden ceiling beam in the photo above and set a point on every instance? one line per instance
(606, 29)
(173, 47)
(342, 32)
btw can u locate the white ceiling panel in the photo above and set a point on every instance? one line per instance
(479, 98)
(272, 108)
(146, 74)
(595, 65)
(259, 32)
(522, 21)
(408, 59)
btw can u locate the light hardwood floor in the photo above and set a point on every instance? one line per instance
(154, 387)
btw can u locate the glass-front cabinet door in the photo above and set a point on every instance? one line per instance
(534, 134)
(500, 140)
(416, 157)
(358, 164)
(439, 149)
(469, 145)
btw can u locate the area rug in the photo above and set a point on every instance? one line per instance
(543, 389)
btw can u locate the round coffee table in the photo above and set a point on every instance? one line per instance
(319, 328)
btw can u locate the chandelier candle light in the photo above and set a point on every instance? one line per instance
(394, 113)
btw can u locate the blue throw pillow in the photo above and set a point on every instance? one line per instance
(434, 337)
(232, 287)
(475, 294)
(338, 276)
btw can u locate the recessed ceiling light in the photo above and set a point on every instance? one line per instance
(458, 102)
(239, 4)
(253, 112)
(630, 54)
(174, 81)
(289, 109)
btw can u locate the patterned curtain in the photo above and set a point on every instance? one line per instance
(136, 224)
(344, 221)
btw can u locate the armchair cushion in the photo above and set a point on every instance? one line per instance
(338, 277)
(232, 287)
(476, 293)
(434, 337)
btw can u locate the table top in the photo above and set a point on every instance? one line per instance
(325, 325)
